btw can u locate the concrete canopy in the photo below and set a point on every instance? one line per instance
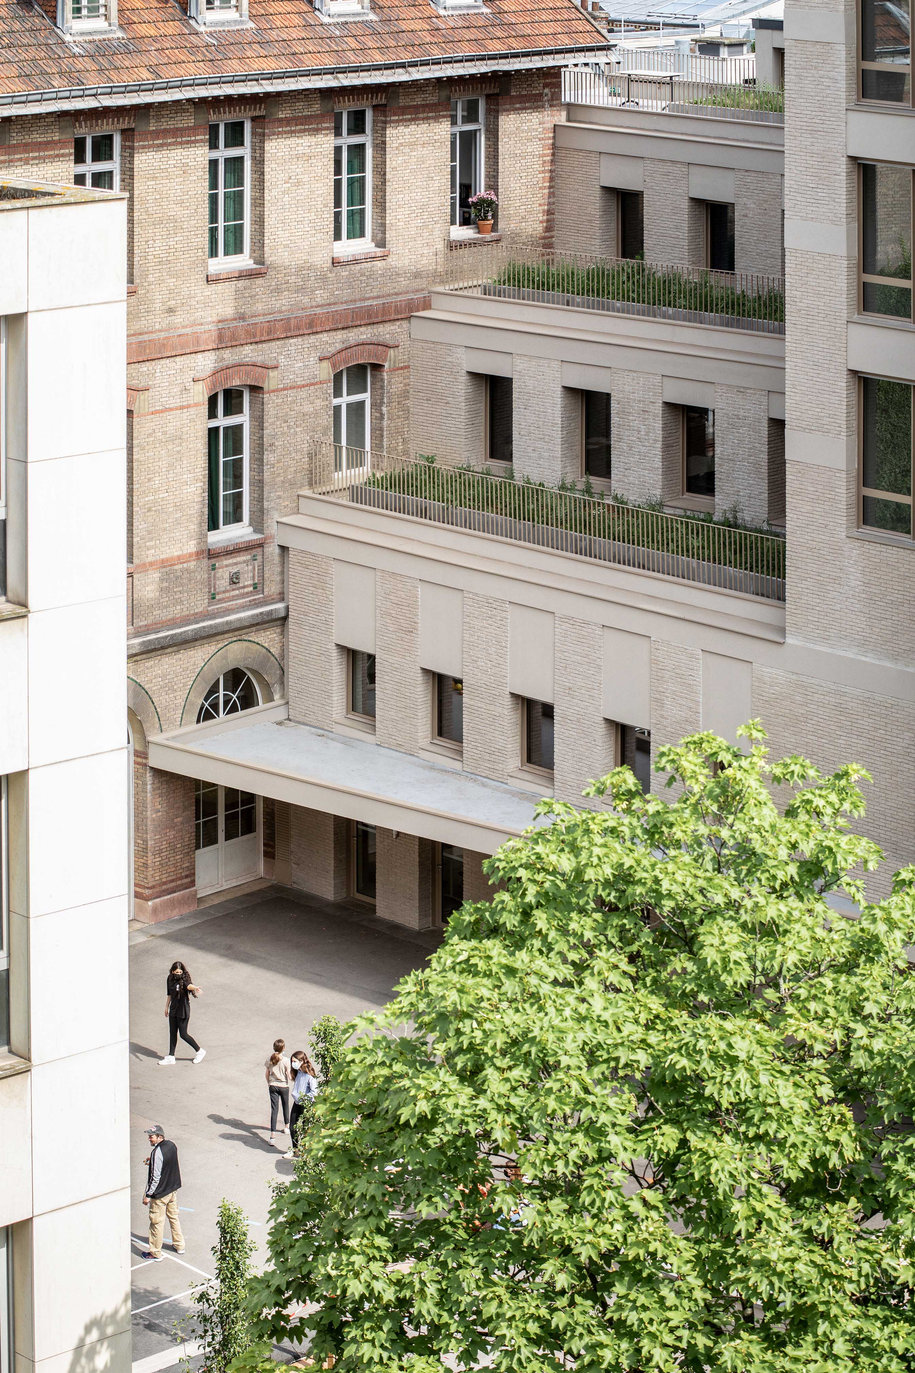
(264, 752)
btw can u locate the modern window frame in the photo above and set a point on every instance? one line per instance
(477, 126)
(443, 741)
(101, 167)
(222, 422)
(351, 713)
(584, 437)
(218, 158)
(902, 69)
(875, 531)
(438, 895)
(353, 883)
(526, 764)
(701, 500)
(344, 141)
(624, 198)
(488, 457)
(871, 278)
(4, 908)
(710, 207)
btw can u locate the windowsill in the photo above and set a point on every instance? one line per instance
(356, 726)
(603, 484)
(218, 540)
(694, 505)
(11, 1064)
(11, 610)
(234, 273)
(461, 234)
(534, 779)
(883, 321)
(441, 750)
(883, 537)
(344, 254)
(131, 289)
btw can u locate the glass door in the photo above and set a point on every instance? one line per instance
(228, 841)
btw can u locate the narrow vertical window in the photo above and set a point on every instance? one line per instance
(451, 881)
(96, 160)
(886, 240)
(229, 195)
(466, 157)
(698, 451)
(719, 237)
(537, 735)
(361, 685)
(884, 52)
(448, 725)
(352, 417)
(886, 455)
(630, 224)
(595, 431)
(227, 459)
(499, 419)
(365, 842)
(352, 176)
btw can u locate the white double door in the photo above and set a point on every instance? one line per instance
(228, 836)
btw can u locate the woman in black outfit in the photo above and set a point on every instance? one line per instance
(178, 992)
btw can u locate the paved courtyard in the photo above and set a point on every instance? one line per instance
(270, 963)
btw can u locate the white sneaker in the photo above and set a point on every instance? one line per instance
(200, 1055)
(169, 1058)
(289, 1154)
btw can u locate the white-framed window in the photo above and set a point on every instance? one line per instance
(232, 691)
(218, 11)
(230, 191)
(466, 156)
(97, 160)
(86, 16)
(353, 176)
(227, 459)
(4, 947)
(352, 417)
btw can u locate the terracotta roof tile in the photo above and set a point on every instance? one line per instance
(159, 41)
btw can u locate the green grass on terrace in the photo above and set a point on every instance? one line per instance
(770, 98)
(580, 511)
(640, 283)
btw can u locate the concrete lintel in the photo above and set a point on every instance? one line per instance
(808, 25)
(881, 350)
(153, 641)
(750, 146)
(812, 236)
(879, 135)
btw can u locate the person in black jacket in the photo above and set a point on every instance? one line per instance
(179, 988)
(161, 1196)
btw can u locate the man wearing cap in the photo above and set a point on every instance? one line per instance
(161, 1195)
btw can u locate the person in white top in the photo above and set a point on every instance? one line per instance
(279, 1077)
(304, 1088)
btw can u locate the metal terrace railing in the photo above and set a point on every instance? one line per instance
(690, 295)
(650, 88)
(688, 548)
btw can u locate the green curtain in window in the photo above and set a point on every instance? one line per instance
(213, 480)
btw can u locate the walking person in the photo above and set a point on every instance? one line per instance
(279, 1078)
(178, 992)
(304, 1089)
(163, 1179)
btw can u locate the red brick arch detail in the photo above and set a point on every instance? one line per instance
(239, 374)
(373, 353)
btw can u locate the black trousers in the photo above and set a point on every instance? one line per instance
(295, 1117)
(178, 1027)
(279, 1096)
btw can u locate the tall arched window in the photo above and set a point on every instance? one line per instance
(227, 459)
(232, 692)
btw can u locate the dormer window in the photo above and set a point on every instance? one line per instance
(79, 17)
(332, 10)
(213, 13)
(457, 6)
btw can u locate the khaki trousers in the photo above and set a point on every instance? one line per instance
(159, 1209)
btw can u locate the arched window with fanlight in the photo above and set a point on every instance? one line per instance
(352, 407)
(226, 820)
(231, 692)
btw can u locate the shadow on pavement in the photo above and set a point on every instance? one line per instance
(246, 1134)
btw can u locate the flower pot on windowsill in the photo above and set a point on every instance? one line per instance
(484, 226)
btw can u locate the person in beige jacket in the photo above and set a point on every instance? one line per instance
(279, 1078)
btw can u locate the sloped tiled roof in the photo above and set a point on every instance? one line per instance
(160, 43)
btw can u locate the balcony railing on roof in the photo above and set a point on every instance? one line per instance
(734, 300)
(688, 548)
(669, 92)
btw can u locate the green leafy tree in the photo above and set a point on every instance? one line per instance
(221, 1319)
(327, 1037)
(705, 1073)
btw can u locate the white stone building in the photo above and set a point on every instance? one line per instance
(64, 1201)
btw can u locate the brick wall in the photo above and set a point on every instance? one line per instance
(758, 237)
(584, 740)
(402, 695)
(491, 713)
(311, 639)
(547, 422)
(741, 453)
(585, 210)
